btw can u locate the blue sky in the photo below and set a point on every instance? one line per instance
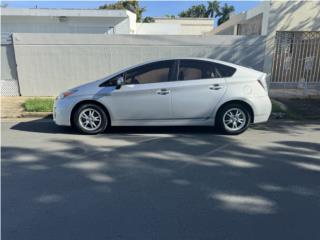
(154, 8)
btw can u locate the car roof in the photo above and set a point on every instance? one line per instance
(190, 58)
(179, 58)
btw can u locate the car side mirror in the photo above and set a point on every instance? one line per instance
(120, 82)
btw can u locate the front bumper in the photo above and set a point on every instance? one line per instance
(62, 109)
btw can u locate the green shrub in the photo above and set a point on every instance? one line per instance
(276, 107)
(38, 105)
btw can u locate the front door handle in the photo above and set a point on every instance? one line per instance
(215, 87)
(163, 91)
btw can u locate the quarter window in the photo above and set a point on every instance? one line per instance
(223, 70)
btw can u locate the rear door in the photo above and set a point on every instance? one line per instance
(199, 88)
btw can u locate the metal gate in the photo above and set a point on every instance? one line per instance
(296, 60)
(9, 79)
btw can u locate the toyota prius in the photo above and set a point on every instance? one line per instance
(168, 92)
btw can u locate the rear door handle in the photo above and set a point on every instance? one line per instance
(163, 91)
(215, 87)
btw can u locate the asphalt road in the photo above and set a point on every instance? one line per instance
(160, 183)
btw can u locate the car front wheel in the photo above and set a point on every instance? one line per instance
(90, 119)
(233, 119)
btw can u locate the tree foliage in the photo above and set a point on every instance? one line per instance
(170, 16)
(195, 11)
(212, 10)
(224, 13)
(148, 20)
(132, 6)
(3, 5)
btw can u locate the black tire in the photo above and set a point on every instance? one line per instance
(223, 115)
(85, 109)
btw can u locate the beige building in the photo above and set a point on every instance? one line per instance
(176, 26)
(292, 52)
(291, 30)
(251, 22)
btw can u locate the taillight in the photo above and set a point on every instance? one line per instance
(263, 82)
(259, 81)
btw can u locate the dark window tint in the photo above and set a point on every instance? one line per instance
(112, 81)
(193, 70)
(223, 70)
(150, 73)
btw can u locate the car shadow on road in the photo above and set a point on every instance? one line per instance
(42, 126)
(47, 126)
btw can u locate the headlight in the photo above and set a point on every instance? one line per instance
(66, 94)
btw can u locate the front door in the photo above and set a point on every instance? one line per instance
(145, 94)
(197, 91)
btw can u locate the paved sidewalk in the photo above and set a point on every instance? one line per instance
(11, 107)
(294, 93)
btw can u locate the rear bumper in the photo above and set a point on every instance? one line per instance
(262, 109)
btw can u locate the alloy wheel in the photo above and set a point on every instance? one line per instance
(234, 119)
(90, 119)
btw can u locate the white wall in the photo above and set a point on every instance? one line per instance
(51, 63)
(176, 26)
(46, 24)
(66, 21)
(158, 28)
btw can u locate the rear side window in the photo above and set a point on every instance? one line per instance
(150, 73)
(192, 70)
(195, 69)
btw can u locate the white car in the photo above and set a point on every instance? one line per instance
(170, 92)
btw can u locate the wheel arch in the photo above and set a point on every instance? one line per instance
(237, 101)
(89, 102)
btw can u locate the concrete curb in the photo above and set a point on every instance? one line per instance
(36, 114)
(29, 115)
(25, 119)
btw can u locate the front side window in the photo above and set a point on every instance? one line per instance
(150, 73)
(111, 82)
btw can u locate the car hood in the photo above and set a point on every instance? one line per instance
(88, 88)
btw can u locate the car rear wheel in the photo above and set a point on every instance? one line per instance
(90, 119)
(233, 119)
